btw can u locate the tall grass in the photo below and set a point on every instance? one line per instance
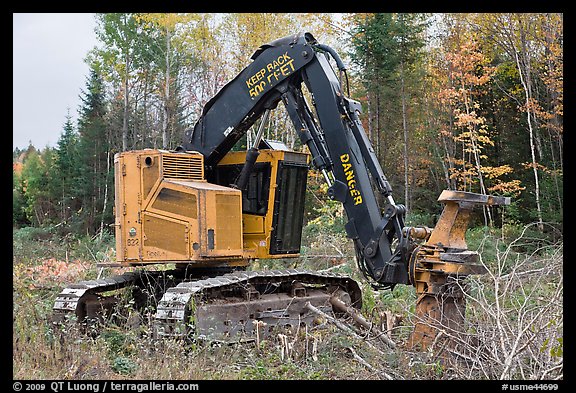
(515, 312)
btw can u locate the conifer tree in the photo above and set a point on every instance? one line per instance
(94, 155)
(67, 164)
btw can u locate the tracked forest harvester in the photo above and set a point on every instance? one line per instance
(209, 212)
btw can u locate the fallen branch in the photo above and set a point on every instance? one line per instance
(368, 365)
(341, 326)
(336, 322)
(341, 306)
(330, 269)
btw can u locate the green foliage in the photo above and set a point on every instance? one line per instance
(552, 185)
(516, 238)
(124, 366)
(18, 201)
(368, 299)
(118, 342)
(323, 352)
(321, 213)
(32, 245)
(375, 47)
(56, 187)
(35, 178)
(68, 165)
(329, 219)
(32, 234)
(156, 71)
(120, 33)
(382, 41)
(62, 196)
(388, 50)
(395, 299)
(421, 218)
(122, 347)
(94, 159)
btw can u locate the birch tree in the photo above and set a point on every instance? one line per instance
(514, 34)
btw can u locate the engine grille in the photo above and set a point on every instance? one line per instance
(183, 166)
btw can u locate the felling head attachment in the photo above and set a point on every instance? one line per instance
(438, 266)
(451, 228)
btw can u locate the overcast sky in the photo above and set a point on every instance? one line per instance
(48, 73)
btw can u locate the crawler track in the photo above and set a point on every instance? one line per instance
(240, 305)
(86, 300)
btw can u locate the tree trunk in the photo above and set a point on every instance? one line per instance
(405, 128)
(554, 126)
(147, 128)
(377, 139)
(165, 141)
(447, 170)
(532, 144)
(105, 205)
(125, 119)
(369, 109)
(475, 153)
(525, 51)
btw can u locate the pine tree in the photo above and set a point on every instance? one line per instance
(386, 47)
(67, 165)
(94, 155)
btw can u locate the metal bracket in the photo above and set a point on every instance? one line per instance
(389, 212)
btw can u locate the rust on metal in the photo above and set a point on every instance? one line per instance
(436, 313)
(420, 233)
(438, 267)
(450, 230)
(217, 308)
(233, 318)
(240, 305)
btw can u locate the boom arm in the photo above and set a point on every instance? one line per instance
(336, 139)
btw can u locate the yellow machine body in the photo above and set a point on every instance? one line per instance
(167, 212)
(272, 209)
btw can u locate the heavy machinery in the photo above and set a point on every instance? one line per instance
(210, 211)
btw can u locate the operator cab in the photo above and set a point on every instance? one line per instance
(272, 200)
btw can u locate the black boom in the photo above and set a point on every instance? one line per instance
(334, 135)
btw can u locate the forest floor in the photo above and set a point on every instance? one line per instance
(43, 264)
